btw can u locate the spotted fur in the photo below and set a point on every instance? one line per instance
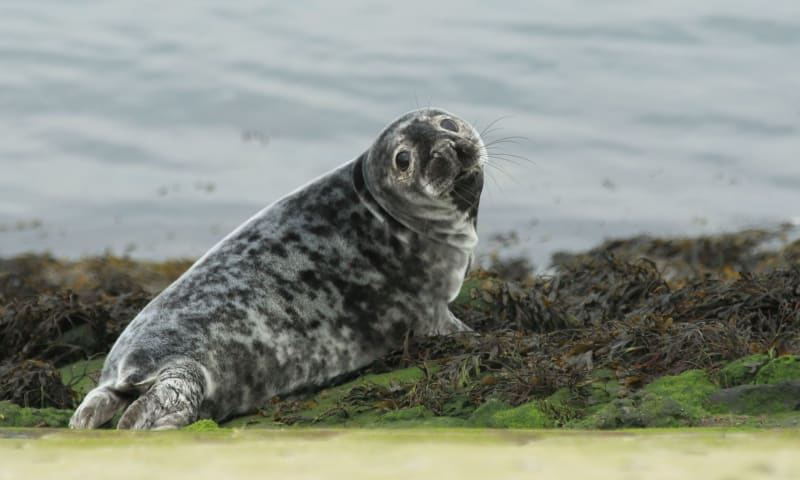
(316, 285)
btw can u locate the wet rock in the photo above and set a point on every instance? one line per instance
(671, 401)
(781, 369)
(742, 371)
(529, 415)
(483, 416)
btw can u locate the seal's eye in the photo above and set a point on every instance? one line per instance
(448, 124)
(402, 160)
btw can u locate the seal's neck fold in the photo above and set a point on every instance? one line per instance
(462, 237)
(367, 198)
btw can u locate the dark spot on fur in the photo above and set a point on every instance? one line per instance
(315, 256)
(285, 294)
(310, 278)
(278, 250)
(395, 243)
(291, 237)
(321, 230)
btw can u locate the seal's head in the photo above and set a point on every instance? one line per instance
(426, 170)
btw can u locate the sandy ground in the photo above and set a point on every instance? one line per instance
(464, 454)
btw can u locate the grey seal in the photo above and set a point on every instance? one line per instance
(316, 285)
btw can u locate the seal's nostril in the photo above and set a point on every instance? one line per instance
(444, 148)
(448, 124)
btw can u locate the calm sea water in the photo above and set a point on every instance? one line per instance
(154, 128)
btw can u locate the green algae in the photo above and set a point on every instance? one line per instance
(781, 369)
(477, 294)
(483, 416)
(641, 410)
(672, 401)
(691, 389)
(405, 414)
(12, 415)
(403, 375)
(205, 425)
(602, 387)
(417, 417)
(349, 404)
(742, 371)
(81, 376)
(760, 399)
(528, 415)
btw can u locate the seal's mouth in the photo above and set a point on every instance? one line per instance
(468, 177)
(466, 188)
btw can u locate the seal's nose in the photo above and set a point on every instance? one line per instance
(444, 148)
(460, 151)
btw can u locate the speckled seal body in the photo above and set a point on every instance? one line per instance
(318, 284)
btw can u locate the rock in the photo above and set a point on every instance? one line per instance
(742, 371)
(786, 367)
(528, 415)
(691, 389)
(483, 416)
(759, 399)
(673, 401)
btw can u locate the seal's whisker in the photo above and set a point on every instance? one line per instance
(510, 157)
(461, 195)
(491, 177)
(470, 203)
(499, 169)
(496, 145)
(504, 173)
(512, 161)
(492, 123)
(515, 139)
(492, 131)
(495, 182)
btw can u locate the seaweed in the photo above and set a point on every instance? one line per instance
(33, 383)
(578, 343)
(53, 313)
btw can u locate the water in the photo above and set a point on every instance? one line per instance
(154, 128)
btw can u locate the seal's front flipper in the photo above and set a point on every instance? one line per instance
(172, 401)
(97, 408)
(457, 325)
(445, 323)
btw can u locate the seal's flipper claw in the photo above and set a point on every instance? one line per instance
(457, 325)
(445, 323)
(173, 400)
(97, 408)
